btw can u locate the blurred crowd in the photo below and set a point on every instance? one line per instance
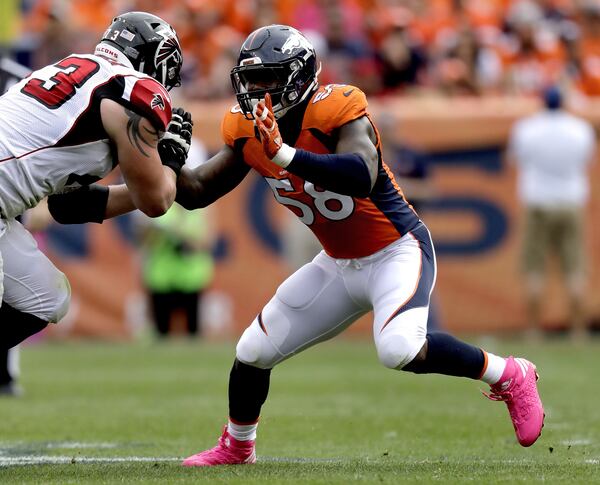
(464, 47)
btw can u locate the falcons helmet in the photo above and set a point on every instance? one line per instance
(149, 43)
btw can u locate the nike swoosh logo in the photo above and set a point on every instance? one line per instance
(348, 93)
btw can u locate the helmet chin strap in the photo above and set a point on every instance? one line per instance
(110, 52)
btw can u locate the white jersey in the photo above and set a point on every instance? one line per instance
(553, 150)
(51, 135)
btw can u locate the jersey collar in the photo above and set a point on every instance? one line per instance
(114, 55)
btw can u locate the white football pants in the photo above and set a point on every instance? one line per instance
(327, 295)
(29, 282)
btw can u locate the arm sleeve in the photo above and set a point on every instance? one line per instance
(86, 204)
(342, 173)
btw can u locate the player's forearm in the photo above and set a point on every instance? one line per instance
(210, 181)
(200, 198)
(191, 192)
(155, 198)
(93, 203)
(343, 173)
(119, 201)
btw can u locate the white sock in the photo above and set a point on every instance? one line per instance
(494, 369)
(242, 432)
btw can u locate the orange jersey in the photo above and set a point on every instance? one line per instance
(347, 227)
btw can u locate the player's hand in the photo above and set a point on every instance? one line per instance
(267, 127)
(174, 145)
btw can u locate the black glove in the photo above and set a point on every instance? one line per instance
(86, 204)
(174, 145)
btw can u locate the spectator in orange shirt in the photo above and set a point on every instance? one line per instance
(587, 52)
(206, 41)
(536, 47)
(401, 58)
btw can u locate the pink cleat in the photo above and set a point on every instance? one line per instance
(518, 389)
(228, 451)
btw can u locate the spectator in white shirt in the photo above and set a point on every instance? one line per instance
(552, 150)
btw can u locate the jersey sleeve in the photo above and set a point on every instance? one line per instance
(149, 99)
(235, 126)
(335, 105)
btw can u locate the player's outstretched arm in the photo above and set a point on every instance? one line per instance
(211, 180)
(151, 184)
(91, 203)
(351, 170)
(119, 201)
(95, 203)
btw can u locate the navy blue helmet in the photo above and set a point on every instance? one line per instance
(279, 60)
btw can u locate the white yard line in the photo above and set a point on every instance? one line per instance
(49, 445)
(78, 444)
(23, 460)
(61, 460)
(577, 442)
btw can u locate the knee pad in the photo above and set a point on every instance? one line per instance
(254, 348)
(397, 350)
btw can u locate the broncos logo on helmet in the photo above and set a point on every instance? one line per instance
(295, 41)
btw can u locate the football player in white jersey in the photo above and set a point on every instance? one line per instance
(68, 125)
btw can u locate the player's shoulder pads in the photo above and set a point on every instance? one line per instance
(334, 105)
(151, 100)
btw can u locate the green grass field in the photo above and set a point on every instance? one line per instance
(106, 413)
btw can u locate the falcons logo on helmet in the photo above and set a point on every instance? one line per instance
(157, 102)
(168, 47)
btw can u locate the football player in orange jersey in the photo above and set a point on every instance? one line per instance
(320, 152)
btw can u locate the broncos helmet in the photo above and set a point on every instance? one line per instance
(150, 44)
(279, 60)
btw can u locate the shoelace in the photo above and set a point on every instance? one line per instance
(506, 396)
(517, 413)
(225, 446)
